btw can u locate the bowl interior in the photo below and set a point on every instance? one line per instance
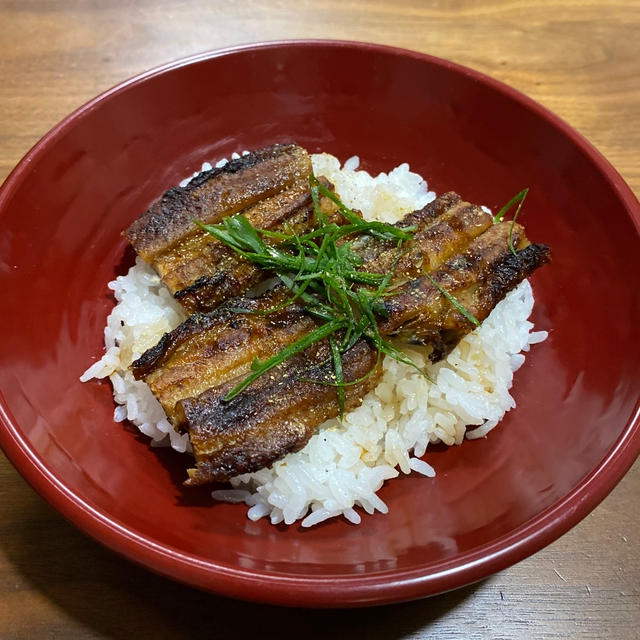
(62, 214)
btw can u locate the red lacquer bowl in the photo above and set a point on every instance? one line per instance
(494, 501)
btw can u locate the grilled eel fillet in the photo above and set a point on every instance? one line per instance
(193, 367)
(277, 416)
(269, 187)
(207, 350)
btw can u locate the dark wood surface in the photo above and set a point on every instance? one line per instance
(579, 58)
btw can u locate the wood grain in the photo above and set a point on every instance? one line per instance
(580, 58)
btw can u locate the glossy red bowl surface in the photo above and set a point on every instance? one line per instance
(493, 501)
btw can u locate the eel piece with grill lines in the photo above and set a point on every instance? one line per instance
(206, 350)
(417, 312)
(277, 416)
(443, 228)
(192, 368)
(270, 187)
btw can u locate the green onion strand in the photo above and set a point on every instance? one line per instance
(260, 368)
(454, 303)
(518, 199)
(337, 368)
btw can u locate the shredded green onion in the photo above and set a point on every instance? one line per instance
(320, 268)
(517, 199)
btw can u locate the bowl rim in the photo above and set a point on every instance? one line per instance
(328, 590)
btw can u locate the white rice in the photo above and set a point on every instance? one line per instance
(344, 464)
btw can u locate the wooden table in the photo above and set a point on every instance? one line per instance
(580, 58)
